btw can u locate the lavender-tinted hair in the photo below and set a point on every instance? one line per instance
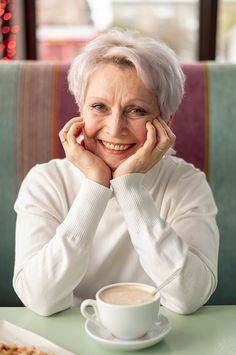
(155, 64)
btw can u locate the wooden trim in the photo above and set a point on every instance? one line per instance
(207, 29)
(30, 29)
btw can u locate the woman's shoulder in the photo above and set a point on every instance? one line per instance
(172, 168)
(55, 170)
(184, 177)
(52, 177)
(49, 185)
(180, 167)
(59, 165)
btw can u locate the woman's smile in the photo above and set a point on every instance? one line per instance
(115, 147)
(115, 113)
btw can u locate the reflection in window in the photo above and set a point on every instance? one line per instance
(65, 26)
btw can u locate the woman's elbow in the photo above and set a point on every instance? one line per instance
(41, 303)
(188, 300)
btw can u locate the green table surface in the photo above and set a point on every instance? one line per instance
(209, 331)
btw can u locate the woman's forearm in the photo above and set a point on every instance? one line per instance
(185, 273)
(51, 258)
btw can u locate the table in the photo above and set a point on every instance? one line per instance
(209, 331)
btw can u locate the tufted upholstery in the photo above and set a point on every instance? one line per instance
(35, 103)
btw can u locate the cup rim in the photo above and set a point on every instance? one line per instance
(117, 284)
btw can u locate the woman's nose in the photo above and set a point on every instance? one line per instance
(117, 124)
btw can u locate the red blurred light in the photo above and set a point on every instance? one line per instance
(12, 37)
(5, 29)
(11, 44)
(15, 28)
(11, 53)
(1, 12)
(7, 16)
(11, 7)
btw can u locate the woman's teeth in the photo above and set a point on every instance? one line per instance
(116, 146)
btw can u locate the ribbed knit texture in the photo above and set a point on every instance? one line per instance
(91, 200)
(74, 236)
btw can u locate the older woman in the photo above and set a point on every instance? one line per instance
(118, 207)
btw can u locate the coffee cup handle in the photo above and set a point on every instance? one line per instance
(84, 310)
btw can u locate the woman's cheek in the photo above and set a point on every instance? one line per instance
(90, 131)
(90, 127)
(88, 139)
(141, 132)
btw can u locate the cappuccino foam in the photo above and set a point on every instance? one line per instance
(127, 295)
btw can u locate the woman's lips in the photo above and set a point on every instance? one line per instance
(116, 147)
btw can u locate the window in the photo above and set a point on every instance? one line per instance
(63, 27)
(58, 29)
(226, 36)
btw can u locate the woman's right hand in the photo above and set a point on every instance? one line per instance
(93, 167)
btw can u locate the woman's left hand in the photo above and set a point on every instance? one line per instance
(159, 139)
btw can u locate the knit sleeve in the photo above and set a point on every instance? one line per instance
(52, 251)
(179, 253)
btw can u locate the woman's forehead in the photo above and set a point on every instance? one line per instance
(108, 78)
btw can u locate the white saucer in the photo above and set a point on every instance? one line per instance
(104, 337)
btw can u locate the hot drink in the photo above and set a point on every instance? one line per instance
(127, 310)
(127, 295)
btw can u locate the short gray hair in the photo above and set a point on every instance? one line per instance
(156, 65)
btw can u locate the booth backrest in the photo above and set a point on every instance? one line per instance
(34, 105)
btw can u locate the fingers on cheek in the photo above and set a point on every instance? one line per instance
(61, 136)
(169, 138)
(164, 141)
(74, 131)
(68, 124)
(77, 129)
(172, 137)
(165, 136)
(72, 124)
(151, 132)
(166, 128)
(159, 127)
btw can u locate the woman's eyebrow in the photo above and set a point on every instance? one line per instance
(137, 100)
(131, 101)
(95, 98)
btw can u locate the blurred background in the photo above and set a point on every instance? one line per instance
(58, 29)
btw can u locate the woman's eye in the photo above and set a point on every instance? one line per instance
(137, 111)
(99, 107)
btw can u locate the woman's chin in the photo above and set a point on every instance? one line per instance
(113, 165)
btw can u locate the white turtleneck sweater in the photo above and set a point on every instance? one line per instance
(74, 236)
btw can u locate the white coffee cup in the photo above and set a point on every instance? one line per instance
(127, 310)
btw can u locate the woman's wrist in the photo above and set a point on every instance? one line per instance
(100, 179)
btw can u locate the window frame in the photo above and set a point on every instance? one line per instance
(208, 13)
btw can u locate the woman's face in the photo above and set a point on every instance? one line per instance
(116, 108)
